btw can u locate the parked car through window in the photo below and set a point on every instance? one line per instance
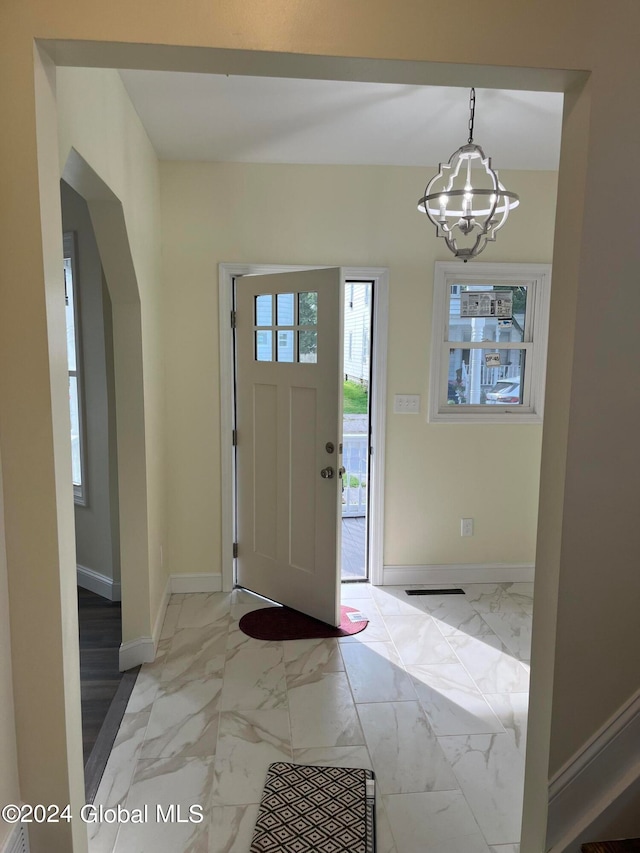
(505, 391)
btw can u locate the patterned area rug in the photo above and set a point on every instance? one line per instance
(316, 810)
(283, 623)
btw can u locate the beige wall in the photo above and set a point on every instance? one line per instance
(36, 470)
(588, 537)
(9, 785)
(349, 216)
(96, 120)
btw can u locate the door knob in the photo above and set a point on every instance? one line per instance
(327, 473)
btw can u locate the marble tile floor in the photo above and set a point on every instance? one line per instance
(432, 696)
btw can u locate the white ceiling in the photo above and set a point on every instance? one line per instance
(277, 120)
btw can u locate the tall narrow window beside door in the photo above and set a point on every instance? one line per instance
(73, 359)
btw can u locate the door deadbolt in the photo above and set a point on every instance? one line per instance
(329, 447)
(327, 473)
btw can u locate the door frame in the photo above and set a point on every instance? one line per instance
(227, 273)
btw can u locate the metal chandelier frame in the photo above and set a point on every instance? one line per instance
(480, 212)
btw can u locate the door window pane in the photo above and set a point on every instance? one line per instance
(264, 346)
(264, 311)
(286, 306)
(285, 346)
(308, 347)
(278, 311)
(308, 309)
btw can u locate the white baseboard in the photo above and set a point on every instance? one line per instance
(143, 649)
(98, 583)
(459, 573)
(162, 612)
(136, 652)
(17, 841)
(590, 783)
(196, 582)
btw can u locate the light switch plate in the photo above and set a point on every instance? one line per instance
(406, 404)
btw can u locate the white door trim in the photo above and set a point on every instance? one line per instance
(380, 277)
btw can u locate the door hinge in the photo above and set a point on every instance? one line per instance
(234, 437)
(233, 319)
(235, 549)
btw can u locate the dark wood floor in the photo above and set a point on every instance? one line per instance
(104, 689)
(100, 623)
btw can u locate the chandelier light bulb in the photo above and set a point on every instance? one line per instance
(482, 209)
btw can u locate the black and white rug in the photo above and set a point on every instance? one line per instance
(308, 809)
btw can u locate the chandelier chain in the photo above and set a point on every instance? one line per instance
(472, 113)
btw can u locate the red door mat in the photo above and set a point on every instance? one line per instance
(283, 623)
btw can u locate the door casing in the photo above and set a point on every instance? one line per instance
(227, 273)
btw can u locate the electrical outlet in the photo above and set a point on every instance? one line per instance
(466, 527)
(406, 404)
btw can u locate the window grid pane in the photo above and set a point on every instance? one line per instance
(74, 410)
(308, 309)
(70, 314)
(285, 310)
(485, 377)
(264, 310)
(308, 347)
(264, 345)
(74, 367)
(285, 346)
(292, 333)
(479, 312)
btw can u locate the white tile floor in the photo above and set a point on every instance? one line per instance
(432, 696)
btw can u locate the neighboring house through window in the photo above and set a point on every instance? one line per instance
(357, 320)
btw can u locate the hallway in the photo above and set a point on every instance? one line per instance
(432, 696)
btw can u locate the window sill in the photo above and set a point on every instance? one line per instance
(484, 417)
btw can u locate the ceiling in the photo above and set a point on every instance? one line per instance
(216, 117)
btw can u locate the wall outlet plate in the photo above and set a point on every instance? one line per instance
(466, 527)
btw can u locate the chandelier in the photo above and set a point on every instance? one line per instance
(471, 213)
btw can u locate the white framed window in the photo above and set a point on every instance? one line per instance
(78, 466)
(489, 342)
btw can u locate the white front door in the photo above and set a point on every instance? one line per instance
(289, 424)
